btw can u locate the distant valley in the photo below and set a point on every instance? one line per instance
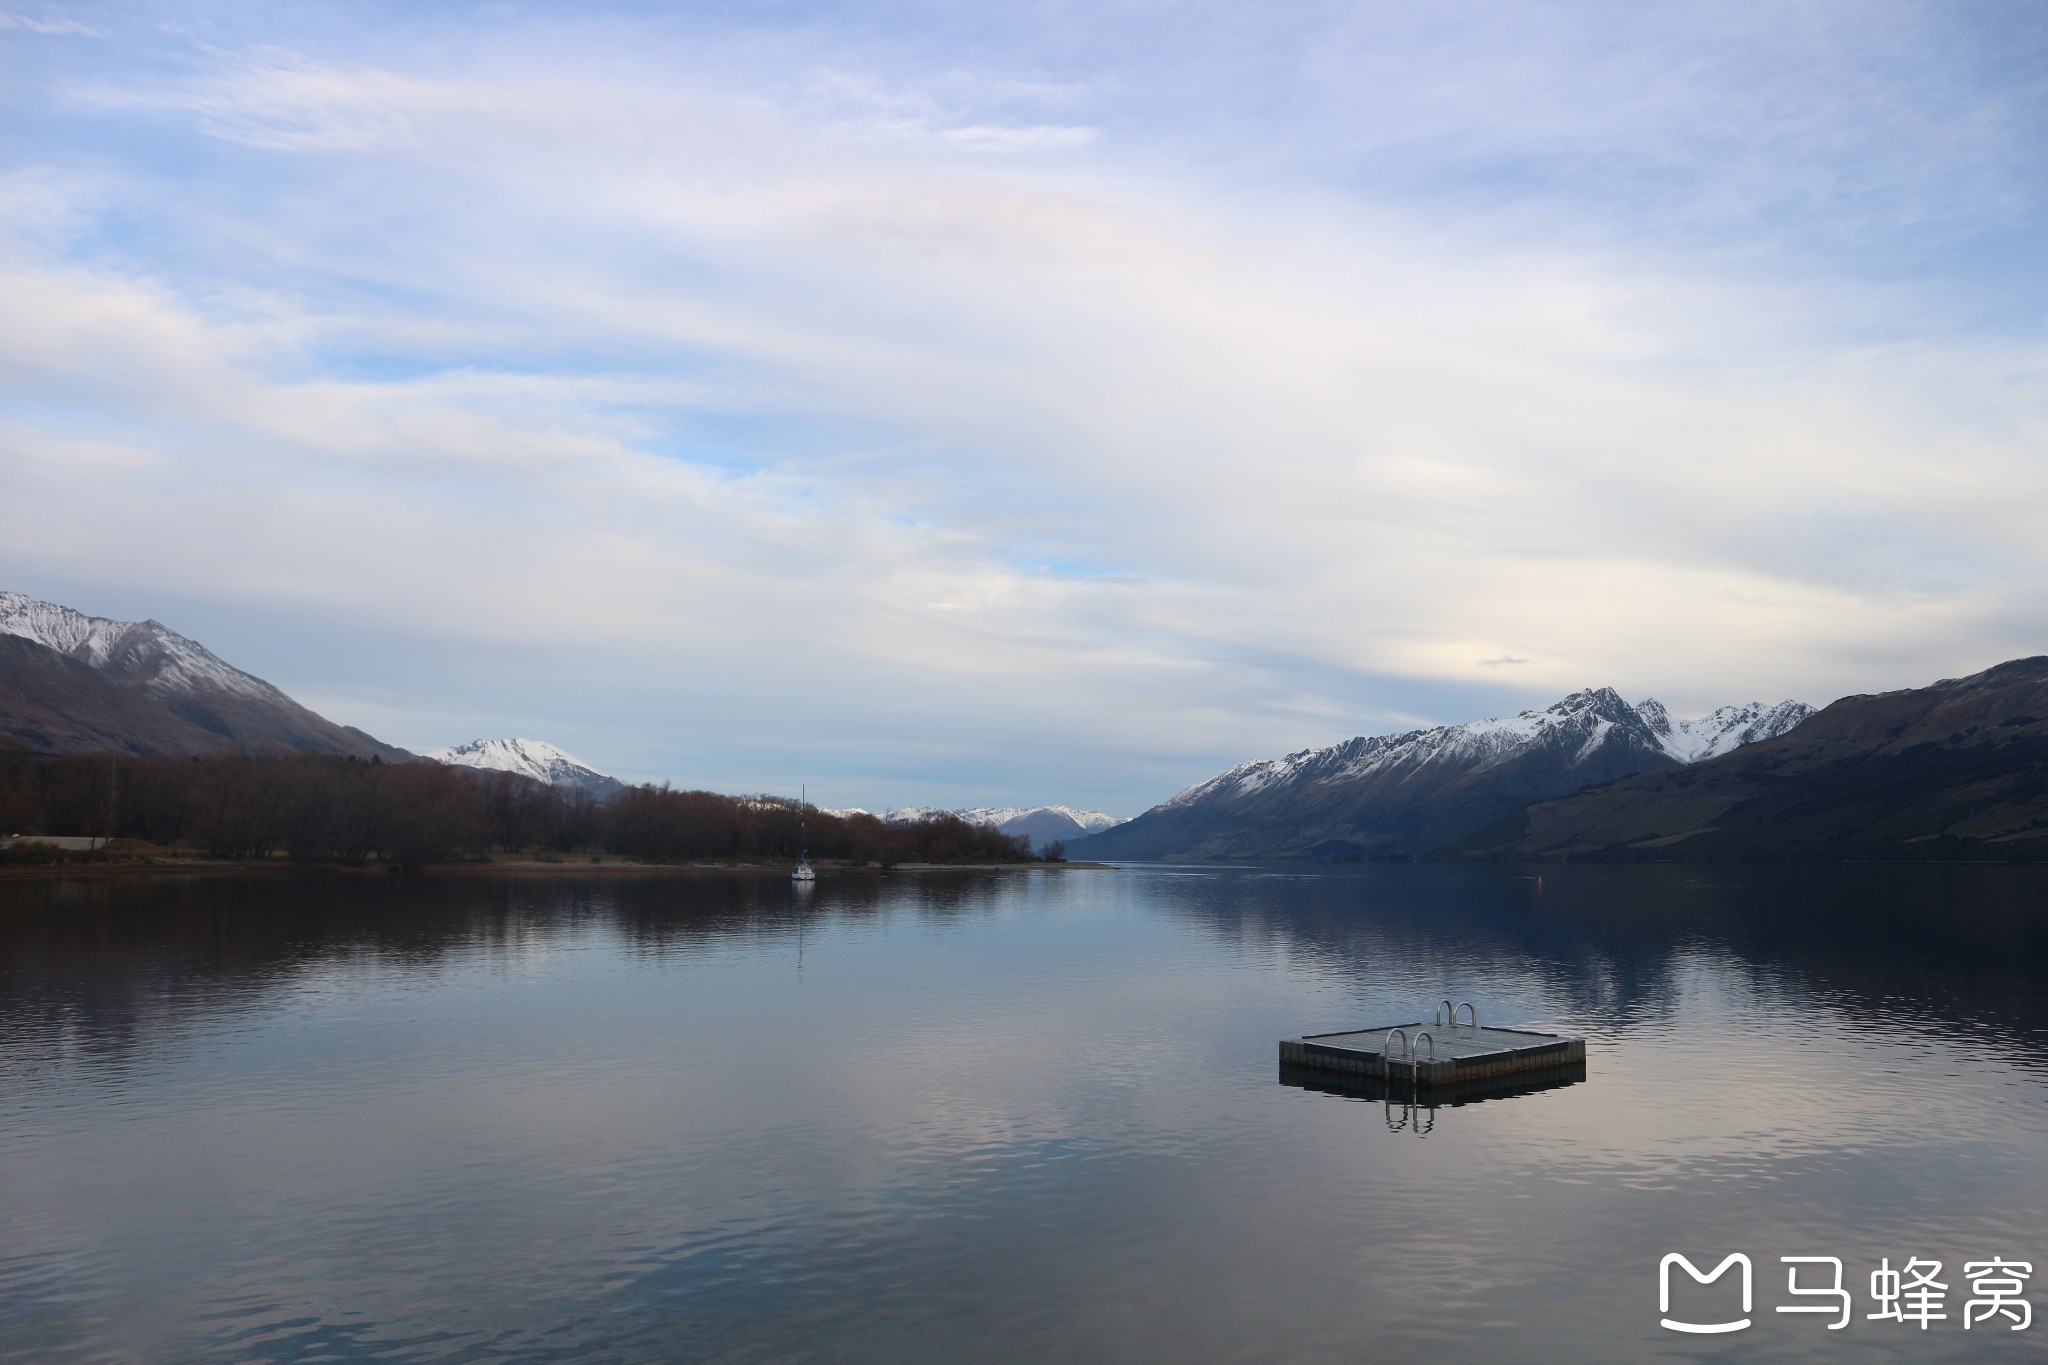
(71, 683)
(1041, 825)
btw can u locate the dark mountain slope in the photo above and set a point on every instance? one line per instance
(1955, 770)
(56, 705)
(166, 678)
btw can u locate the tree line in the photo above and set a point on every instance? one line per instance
(330, 808)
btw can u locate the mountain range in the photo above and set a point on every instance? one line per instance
(1040, 824)
(1954, 770)
(1958, 769)
(72, 683)
(1406, 795)
(534, 758)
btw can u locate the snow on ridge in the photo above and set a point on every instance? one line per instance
(999, 816)
(1730, 727)
(1090, 820)
(1588, 717)
(1475, 744)
(534, 758)
(85, 638)
(172, 662)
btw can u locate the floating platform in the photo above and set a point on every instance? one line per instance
(1433, 1054)
(1450, 1094)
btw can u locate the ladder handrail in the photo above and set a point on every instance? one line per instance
(1447, 1013)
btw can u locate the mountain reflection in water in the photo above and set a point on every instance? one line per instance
(974, 1115)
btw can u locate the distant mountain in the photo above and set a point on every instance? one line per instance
(1040, 824)
(147, 690)
(1399, 796)
(532, 758)
(1958, 769)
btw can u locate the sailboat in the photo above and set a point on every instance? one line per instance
(804, 871)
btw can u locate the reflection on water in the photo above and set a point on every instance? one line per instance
(997, 1116)
(1409, 1098)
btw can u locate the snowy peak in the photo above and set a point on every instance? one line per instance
(1040, 824)
(1404, 795)
(1582, 725)
(999, 816)
(146, 654)
(534, 758)
(1731, 727)
(1584, 722)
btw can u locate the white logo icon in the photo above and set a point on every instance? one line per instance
(1664, 1291)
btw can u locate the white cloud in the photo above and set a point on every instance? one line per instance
(764, 410)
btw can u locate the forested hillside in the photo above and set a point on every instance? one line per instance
(340, 809)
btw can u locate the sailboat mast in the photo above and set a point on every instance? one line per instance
(802, 871)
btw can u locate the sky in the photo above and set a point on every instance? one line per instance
(956, 404)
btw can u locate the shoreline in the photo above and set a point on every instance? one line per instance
(535, 868)
(514, 868)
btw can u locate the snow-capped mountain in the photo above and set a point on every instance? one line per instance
(147, 654)
(1089, 820)
(1955, 769)
(534, 758)
(1040, 824)
(1402, 795)
(1731, 727)
(201, 703)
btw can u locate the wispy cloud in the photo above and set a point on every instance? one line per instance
(976, 112)
(66, 28)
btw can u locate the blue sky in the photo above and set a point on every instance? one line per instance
(1027, 403)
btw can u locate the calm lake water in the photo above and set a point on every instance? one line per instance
(1029, 1116)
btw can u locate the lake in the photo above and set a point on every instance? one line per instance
(1004, 1116)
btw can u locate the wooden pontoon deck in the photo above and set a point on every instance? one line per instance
(1432, 1054)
